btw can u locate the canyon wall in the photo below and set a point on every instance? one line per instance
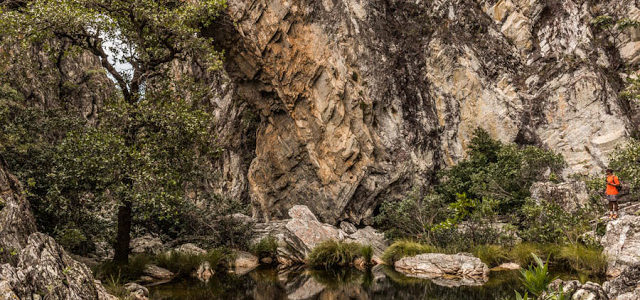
(355, 102)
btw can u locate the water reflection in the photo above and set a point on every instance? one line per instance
(381, 282)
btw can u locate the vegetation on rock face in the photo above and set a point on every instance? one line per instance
(338, 254)
(626, 163)
(151, 145)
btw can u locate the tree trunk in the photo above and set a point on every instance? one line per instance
(123, 237)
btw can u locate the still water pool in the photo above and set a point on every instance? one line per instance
(379, 283)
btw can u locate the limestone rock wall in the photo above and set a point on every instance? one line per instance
(358, 101)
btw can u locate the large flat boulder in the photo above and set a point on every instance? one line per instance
(450, 269)
(621, 244)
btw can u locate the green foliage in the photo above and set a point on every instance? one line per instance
(71, 238)
(521, 253)
(547, 222)
(404, 248)
(522, 297)
(124, 273)
(413, 216)
(536, 278)
(332, 254)
(492, 255)
(183, 264)
(503, 172)
(590, 261)
(266, 247)
(626, 163)
(613, 26)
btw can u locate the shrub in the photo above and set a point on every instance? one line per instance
(584, 259)
(626, 162)
(266, 247)
(414, 216)
(536, 278)
(492, 255)
(405, 248)
(494, 170)
(331, 254)
(549, 223)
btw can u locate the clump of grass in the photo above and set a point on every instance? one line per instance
(536, 278)
(183, 264)
(266, 247)
(123, 273)
(492, 255)
(331, 254)
(584, 259)
(521, 253)
(405, 248)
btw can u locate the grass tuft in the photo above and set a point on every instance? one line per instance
(492, 255)
(584, 259)
(331, 254)
(266, 247)
(404, 248)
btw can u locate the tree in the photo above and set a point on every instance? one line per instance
(144, 150)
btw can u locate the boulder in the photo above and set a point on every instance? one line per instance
(347, 227)
(303, 232)
(43, 266)
(146, 244)
(621, 244)
(571, 195)
(299, 235)
(375, 239)
(457, 269)
(190, 249)
(157, 273)
(136, 291)
(625, 286)
(245, 262)
(575, 290)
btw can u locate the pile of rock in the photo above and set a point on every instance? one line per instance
(301, 233)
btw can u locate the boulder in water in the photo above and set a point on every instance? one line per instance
(459, 268)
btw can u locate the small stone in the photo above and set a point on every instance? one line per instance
(348, 228)
(266, 260)
(245, 262)
(506, 266)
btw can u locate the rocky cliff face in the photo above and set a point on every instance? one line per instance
(32, 264)
(358, 101)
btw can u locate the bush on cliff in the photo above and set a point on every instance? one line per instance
(499, 171)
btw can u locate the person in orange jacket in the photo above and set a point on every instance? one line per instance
(613, 188)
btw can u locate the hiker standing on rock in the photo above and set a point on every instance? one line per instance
(613, 188)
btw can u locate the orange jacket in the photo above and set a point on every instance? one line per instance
(611, 180)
